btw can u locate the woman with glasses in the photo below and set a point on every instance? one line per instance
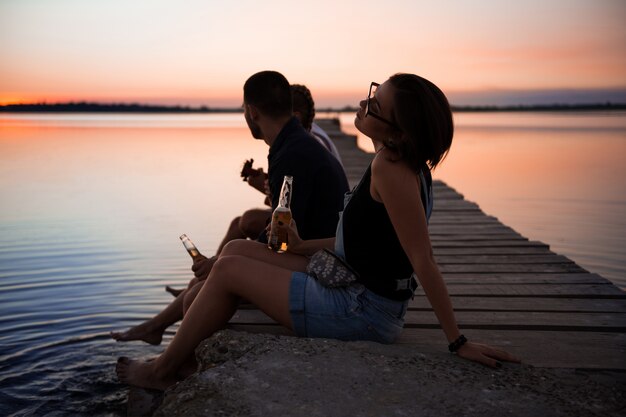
(382, 234)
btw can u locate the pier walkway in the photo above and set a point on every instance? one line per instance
(506, 290)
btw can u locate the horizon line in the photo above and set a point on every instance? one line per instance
(96, 106)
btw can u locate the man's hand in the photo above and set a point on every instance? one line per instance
(257, 180)
(202, 266)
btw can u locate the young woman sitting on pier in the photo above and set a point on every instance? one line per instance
(383, 235)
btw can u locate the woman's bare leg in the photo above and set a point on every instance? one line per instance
(259, 251)
(232, 277)
(191, 295)
(252, 250)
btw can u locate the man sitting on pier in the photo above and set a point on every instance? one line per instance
(319, 182)
(251, 224)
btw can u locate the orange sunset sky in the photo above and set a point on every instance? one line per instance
(200, 52)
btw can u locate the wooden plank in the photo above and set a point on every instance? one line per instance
(463, 223)
(565, 349)
(455, 229)
(509, 278)
(498, 250)
(510, 267)
(448, 195)
(475, 237)
(487, 243)
(467, 233)
(548, 258)
(577, 305)
(440, 220)
(457, 204)
(524, 320)
(503, 320)
(452, 218)
(457, 208)
(534, 290)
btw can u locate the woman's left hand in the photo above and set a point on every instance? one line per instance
(485, 354)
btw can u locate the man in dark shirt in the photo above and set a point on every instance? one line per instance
(319, 181)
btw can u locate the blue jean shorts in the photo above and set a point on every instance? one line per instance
(346, 313)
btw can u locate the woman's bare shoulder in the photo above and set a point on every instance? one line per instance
(392, 178)
(388, 163)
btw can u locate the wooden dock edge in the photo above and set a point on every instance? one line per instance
(506, 289)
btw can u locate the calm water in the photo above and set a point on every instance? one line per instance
(91, 207)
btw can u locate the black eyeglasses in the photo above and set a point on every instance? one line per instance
(368, 110)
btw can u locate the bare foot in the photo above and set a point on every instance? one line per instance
(173, 291)
(142, 332)
(141, 374)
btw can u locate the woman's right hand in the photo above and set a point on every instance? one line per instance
(485, 354)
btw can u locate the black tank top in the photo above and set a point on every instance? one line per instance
(370, 242)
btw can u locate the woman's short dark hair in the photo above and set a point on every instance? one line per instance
(423, 114)
(304, 104)
(269, 92)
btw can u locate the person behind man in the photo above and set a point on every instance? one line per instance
(319, 182)
(304, 109)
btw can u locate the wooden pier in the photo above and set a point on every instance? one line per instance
(506, 290)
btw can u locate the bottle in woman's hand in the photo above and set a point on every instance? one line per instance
(277, 240)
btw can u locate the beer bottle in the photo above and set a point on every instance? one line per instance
(191, 248)
(278, 239)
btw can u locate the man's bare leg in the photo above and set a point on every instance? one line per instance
(151, 331)
(233, 232)
(252, 223)
(173, 290)
(201, 268)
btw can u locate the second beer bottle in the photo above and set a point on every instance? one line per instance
(278, 239)
(191, 248)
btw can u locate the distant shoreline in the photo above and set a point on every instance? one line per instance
(85, 107)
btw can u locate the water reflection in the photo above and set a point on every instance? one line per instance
(89, 226)
(91, 207)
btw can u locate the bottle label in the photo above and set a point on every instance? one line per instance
(278, 238)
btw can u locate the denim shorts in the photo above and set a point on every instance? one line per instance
(346, 313)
